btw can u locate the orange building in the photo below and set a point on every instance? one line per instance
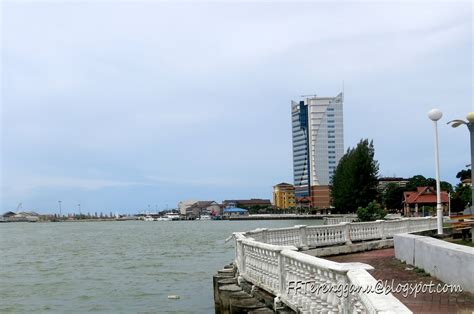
(320, 196)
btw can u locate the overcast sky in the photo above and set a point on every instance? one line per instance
(121, 105)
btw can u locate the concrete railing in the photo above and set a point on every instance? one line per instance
(337, 220)
(344, 233)
(269, 259)
(293, 277)
(452, 263)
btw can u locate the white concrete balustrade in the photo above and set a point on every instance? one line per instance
(337, 220)
(325, 235)
(269, 259)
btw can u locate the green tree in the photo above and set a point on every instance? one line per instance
(372, 212)
(415, 182)
(419, 180)
(354, 182)
(464, 174)
(392, 197)
(461, 198)
(446, 186)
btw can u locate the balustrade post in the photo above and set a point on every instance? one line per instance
(264, 235)
(281, 274)
(303, 236)
(410, 225)
(236, 249)
(433, 222)
(347, 232)
(345, 301)
(381, 227)
(405, 225)
(241, 257)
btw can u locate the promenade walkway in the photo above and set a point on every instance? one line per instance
(387, 267)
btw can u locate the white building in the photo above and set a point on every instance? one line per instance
(318, 145)
(183, 205)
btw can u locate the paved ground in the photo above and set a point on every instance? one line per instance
(388, 268)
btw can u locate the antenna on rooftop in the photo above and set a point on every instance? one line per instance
(343, 90)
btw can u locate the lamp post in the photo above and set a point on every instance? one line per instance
(435, 115)
(470, 126)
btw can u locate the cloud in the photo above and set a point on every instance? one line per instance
(204, 181)
(124, 96)
(23, 186)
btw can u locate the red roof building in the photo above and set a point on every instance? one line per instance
(424, 196)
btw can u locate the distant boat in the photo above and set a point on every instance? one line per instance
(172, 216)
(164, 218)
(204, 217)
(149, 218)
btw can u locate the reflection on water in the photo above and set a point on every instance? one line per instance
(127, 266)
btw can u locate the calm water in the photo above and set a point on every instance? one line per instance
(116, 266)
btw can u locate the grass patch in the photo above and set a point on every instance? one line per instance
(463, 242)
(421, 272)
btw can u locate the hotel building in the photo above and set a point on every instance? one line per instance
(284, 196)
(318, 144)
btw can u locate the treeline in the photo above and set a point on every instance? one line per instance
(79, 216)
(355, 184)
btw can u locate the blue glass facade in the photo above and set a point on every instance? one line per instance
(301, 176)
(318, 145)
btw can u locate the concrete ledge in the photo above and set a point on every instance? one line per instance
(449, 262)
(351, 248)
(405, 248)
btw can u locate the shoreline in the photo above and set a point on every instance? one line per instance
(234, 218)
(285, 217)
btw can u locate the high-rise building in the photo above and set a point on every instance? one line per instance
(299, 115)
(318, 144)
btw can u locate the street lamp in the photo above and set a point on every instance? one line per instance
(470, 126)
(435, 115)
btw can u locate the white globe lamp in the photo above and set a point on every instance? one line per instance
(435, 114)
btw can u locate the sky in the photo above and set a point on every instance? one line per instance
(131, 106)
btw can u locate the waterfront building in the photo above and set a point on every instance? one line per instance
(184, 205)
(421, 201)
(194, 209)
(251, 203)
(318, 145)
(235, 211)
(200, 208)
(21, 216)
(284, 196)
(383, 182)
(466, 182)
(8, 214)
